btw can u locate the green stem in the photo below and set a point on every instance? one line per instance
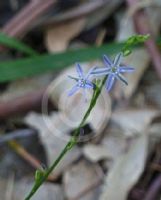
(136, 39)
(70, 144)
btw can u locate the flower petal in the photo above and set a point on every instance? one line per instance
(90, 72)
(118, 59)
(73, 90)
(110, 81)
(122, 78)
(123, 69)
(89, 84)
(74, 78)
(79, 70)
(107, 61)
(101, 71)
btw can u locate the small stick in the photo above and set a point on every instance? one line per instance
(16, 134)
(154, 189)
(19, 24)
(27, 156)
(22, 21)
(30, 101)
(142, 26)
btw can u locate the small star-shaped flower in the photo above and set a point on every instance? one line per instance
(82, 81)
(114, 70)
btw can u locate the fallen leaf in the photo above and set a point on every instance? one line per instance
(48, 191)
(58, 37)
(53, 143)
(95, 152)
(139, 59)
(155, 131)
(68, 24)
(3, 188)
(22, 87)
(151, 91)
(82, 181)
(111, 147)
(19, 189)
(126, 171)
(94, 11)
(133, 121)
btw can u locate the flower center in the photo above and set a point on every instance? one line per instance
(114, 69)
(81, 82)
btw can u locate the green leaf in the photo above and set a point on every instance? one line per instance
(12, 70)
(22, 68)
(16, 44)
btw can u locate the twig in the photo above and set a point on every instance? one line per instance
(23, 153)
(154, 189)
(27, 156)
(16, 134)
(22, 104)
(82, 10)
(142, 26)
(21, 23)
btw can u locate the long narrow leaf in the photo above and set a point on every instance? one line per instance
(11, 70)
(16, 44)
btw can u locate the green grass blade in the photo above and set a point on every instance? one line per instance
(12, 70)
(16, 44)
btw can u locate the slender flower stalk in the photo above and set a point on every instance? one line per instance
(113, 70)
(72, 142)
(82, 82)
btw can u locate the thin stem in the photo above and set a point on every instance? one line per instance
(70, 144)
(46, 174)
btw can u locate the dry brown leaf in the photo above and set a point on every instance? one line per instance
(58, 37)
(95, 152)
(19, 189)
(94, 11)
(48, 191)
(112, 146)
(69, 24)
(82, 181)
(142, 4)
(126, 171)
(22, 87)
(155, 131)
(139, 59)
(133, 121)
(3, 188)
(52, 142)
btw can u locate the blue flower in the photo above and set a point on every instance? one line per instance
(114, 70)
(82, 81)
